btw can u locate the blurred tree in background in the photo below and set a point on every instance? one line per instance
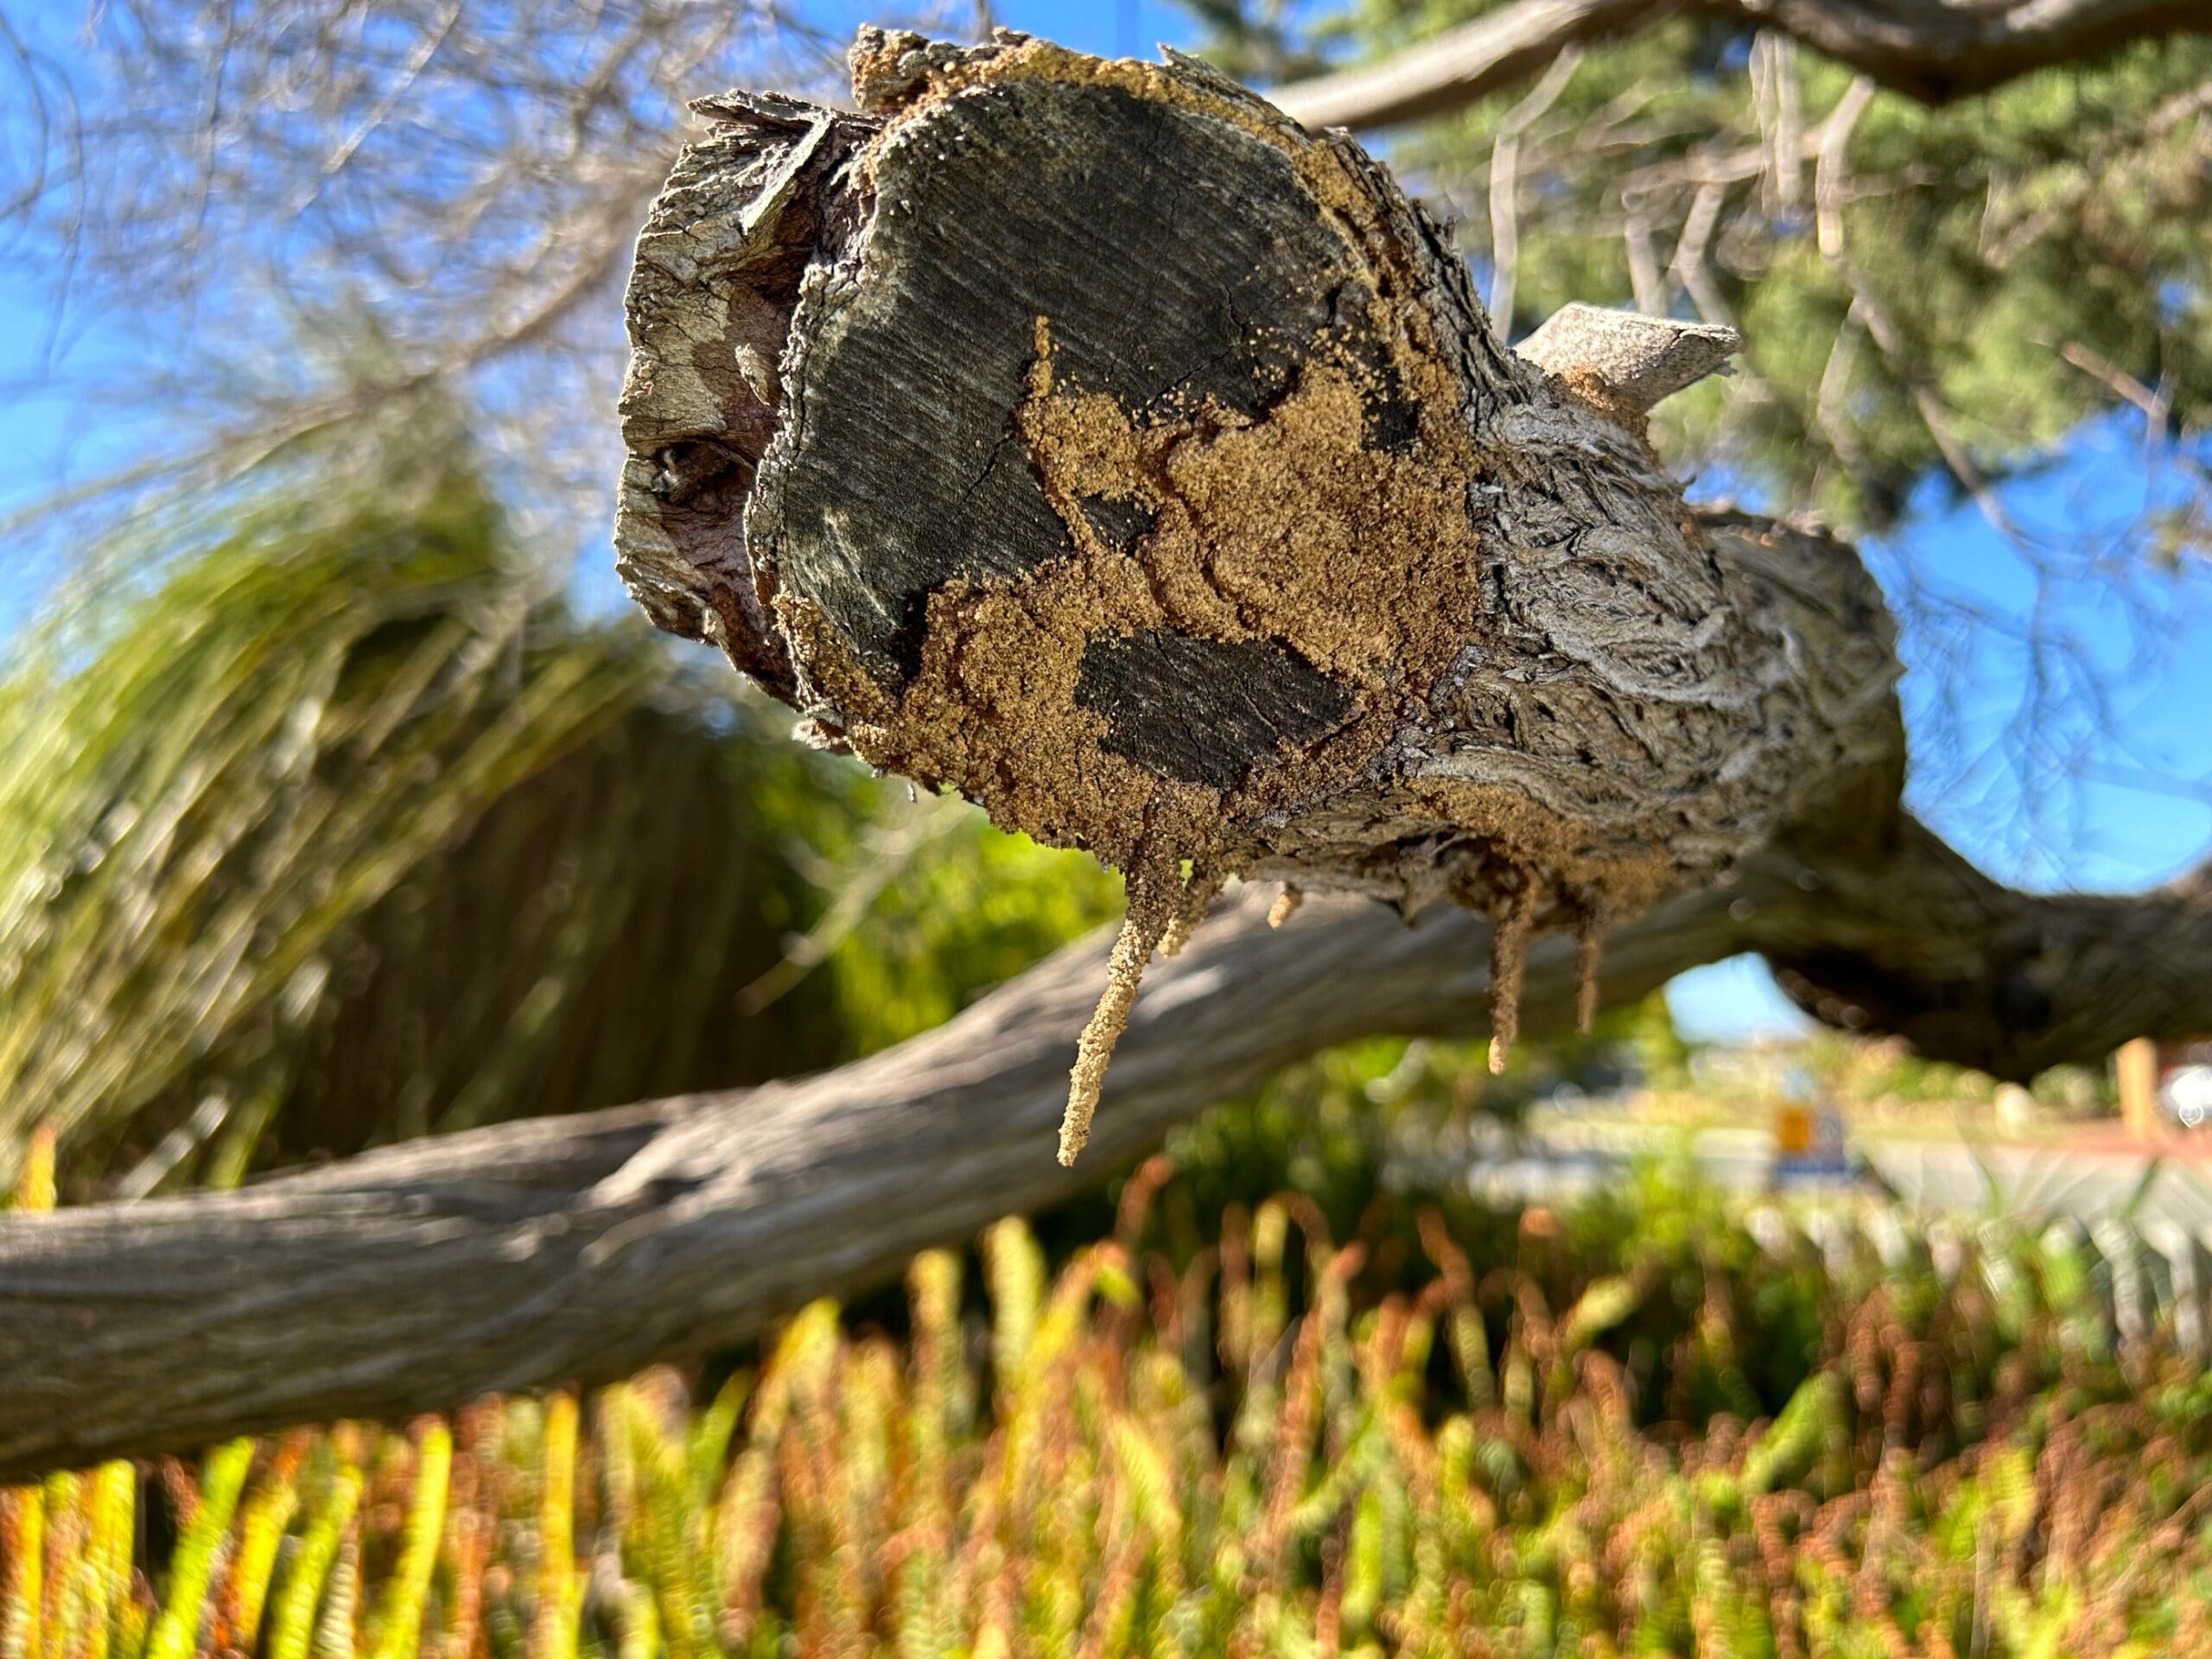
(325, 818)
(1941, 292)
(1930, 294)
(1938, 303)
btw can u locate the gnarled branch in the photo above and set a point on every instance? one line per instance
(1218, 529)
(415, 1278)
(578, 1248)
(1932, 50)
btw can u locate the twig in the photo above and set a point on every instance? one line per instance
(1505, 180)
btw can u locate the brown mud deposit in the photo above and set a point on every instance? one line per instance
(1281, 530)
(1289, 528)
(1531, 869)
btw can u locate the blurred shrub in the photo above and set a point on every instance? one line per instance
(324, 817)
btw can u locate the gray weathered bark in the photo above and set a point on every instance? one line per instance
(414, 1278)
(578, 1249)
(1932, 50)
(417, 1277)
(1217, 524)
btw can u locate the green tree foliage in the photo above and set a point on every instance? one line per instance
(1926, 293)
(1257, 40)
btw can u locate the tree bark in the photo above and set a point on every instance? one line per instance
(579, 1249)
(1215, 531)
(1927, 49)
(1089, 439)
(1714, 690)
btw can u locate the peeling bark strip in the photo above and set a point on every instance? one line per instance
(1144, 468)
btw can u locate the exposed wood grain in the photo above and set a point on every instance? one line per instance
(1099, 374)
(417, 1277)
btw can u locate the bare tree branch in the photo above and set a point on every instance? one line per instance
(505, 1258)
(312, 216)
(1506, 180)
(1461, 65)
(578, 1248)
(1918, 943)
(1927, 49)
(1937, 51)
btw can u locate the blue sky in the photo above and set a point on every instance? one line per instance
(1115, 27)
(2123, 795)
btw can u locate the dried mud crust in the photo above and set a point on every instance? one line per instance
(1241, 527)
(1287, 531)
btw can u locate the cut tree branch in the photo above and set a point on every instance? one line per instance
(1932, 50)
(1216, 532)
